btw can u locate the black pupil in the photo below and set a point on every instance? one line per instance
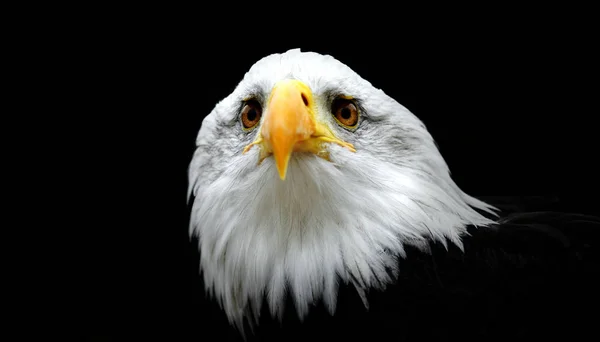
(346, 113)
(252, 114)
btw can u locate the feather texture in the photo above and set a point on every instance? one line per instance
(532, 276)
(343, 221)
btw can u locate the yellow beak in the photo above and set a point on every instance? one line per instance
(290, 126)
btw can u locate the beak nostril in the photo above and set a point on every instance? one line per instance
(304, 99)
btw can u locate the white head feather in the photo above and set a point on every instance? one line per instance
(347, 219)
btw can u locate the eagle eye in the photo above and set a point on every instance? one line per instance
(345, 112)
(251, 114)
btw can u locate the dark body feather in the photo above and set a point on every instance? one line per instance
(532, 276)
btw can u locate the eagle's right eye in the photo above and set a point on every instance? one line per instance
(251, 114)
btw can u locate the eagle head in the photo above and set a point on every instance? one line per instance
(307, 176)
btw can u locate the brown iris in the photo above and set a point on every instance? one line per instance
(251, 114)
(345, 112)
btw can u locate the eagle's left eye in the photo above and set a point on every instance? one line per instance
(345, 113)
(251, 114)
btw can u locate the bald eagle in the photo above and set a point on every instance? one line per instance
(319, 203)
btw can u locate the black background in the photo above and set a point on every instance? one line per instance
(504, 102)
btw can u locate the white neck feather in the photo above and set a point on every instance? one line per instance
(347, 220)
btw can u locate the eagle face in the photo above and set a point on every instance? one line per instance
(307, 175)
